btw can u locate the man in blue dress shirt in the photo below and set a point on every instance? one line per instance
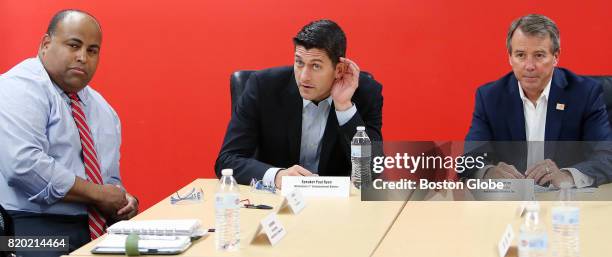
(47, 168)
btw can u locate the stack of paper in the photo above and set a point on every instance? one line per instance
(183, 227)
(155, 236)
(113, 243)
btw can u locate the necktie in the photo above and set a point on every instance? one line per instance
(96, 221)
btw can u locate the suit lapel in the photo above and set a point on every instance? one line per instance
(329, 139)
(516, 115)
(554, 115)
(292, 101)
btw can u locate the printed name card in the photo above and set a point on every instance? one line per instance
(317, 186)
(272, 227)
(513, 190)
(294, 201)
(505, 242)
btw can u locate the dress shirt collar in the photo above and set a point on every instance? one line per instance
(83, 96)
(306, 102)
(544, 94)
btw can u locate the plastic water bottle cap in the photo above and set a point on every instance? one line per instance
(227, 172)
(360, 128)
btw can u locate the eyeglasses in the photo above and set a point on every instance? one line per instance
(193, 196)
(246, 203)
(260, 186)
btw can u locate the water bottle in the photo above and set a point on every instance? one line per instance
(227, 213)
(533, 240)
(361, 153)
(565, 222)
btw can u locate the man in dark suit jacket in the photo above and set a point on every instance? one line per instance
(299, 121)
(539, 102)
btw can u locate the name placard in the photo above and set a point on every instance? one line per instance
(513, 190)
(317, 186)
(505, 241)
(294, 201)
(272, 227)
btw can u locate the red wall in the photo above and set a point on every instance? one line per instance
(165, 65)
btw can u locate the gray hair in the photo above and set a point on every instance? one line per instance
(535, 25)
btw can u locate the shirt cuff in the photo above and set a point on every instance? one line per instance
(114, 181)
(481, 172)
(56, 190)
(580, 179)
(345, 116)
(269, 176)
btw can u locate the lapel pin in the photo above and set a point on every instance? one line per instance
(560, 107)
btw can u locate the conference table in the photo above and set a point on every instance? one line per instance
(441, 227)
(325, 227)
(351, 227)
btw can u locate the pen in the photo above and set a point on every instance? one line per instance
(260, 206)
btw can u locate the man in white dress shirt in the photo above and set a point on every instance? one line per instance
(540, 102)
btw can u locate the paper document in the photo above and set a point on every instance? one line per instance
(113, 243)
(182, 227)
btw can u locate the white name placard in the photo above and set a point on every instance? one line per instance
(317, 186)
(505, 242)
(272, 227)
(513, 190)
(294, 201)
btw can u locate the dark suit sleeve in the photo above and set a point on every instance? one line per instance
(479, 135)
(479, 129)
(241, 138)
(596, 124)
(369, 114)
(598, 132)
(597, 166)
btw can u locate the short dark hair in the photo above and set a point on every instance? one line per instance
(323, 34)
(61, 15)
(535, 25)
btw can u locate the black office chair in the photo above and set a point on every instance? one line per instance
(6, 229)
(606, 83)
(238, 81)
